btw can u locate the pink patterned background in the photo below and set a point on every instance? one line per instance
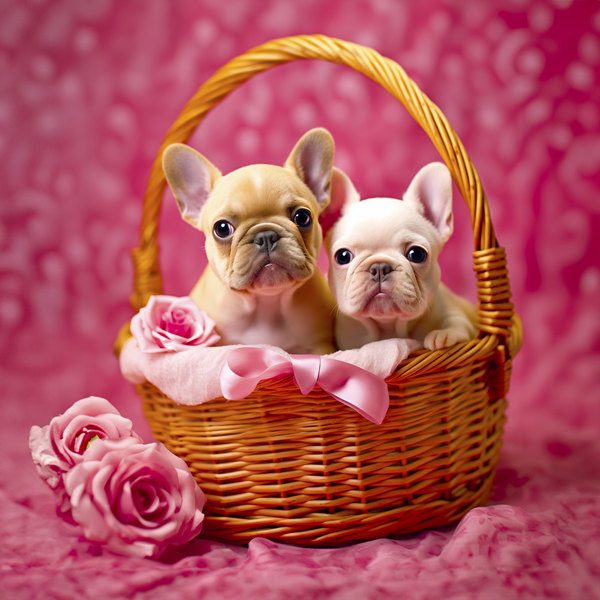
(88, 89)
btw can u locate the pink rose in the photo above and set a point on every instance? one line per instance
(135, 499)
(170, 324)
(57, 447)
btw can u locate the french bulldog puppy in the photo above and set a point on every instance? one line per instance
(263, 238)
(383, 265)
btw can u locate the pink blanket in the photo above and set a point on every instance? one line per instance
(87, 91)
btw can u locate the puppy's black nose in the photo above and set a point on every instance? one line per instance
(266, 240)
(379, 271)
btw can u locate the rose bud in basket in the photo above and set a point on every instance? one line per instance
(171, 324)
(134, 499)
(57, 447)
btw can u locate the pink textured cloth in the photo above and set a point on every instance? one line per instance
(88, 90)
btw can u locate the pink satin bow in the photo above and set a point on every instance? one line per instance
(366, 393)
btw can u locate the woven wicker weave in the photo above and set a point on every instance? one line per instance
(309, 470)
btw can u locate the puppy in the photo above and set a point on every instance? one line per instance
(383, 265)
(263, 238)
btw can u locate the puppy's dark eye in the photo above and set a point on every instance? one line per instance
(416, 254)
(223, 229)
(302, 218)
(343, 256)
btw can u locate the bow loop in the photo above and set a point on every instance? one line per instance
(245, 367)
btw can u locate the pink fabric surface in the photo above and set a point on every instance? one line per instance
(87, 91)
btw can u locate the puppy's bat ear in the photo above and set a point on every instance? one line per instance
(343, 194)
(191, 178)
(430, 192)
(312, 160)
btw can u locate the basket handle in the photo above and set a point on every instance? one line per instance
(495, 311)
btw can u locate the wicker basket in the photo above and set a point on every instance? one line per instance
(308, 470)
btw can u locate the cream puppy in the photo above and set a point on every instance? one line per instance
(263, 238)
(383, 265)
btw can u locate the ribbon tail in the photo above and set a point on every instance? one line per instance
(356, 388)
(374, 414)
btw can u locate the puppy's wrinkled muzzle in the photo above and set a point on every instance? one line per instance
(268, 261)
(382, 290)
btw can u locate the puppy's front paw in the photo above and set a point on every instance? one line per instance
(443, 338)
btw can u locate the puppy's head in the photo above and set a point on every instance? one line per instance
(261, 221)
(383, 252)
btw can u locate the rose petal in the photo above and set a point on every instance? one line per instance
(146, 499)
(49, 466)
